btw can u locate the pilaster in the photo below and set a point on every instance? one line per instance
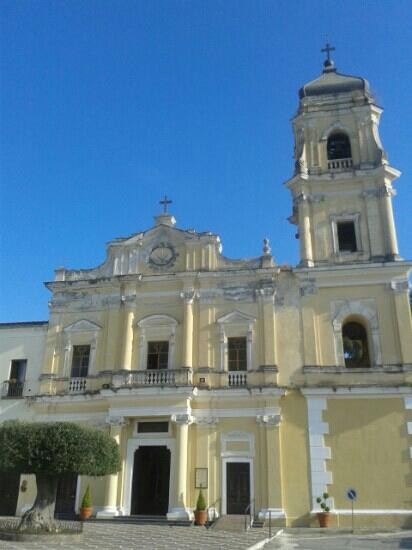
(111, 507)
(270, 437)
(179, 508)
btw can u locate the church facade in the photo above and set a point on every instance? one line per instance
(265, 385)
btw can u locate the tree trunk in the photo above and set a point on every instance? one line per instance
(41, 514)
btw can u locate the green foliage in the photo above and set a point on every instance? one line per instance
(322, 501)
(56, 448)
(87, 498)
(201, 502)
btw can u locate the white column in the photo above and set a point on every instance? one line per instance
(111, 507)
(187, 358)
(392, 251)
(179, 507)
(305, 238)
(127, 339)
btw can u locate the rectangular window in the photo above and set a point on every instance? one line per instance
(80, 362)
(157, 355)
(346, 236)
(237, 354)
(152, 427)
(17, 377)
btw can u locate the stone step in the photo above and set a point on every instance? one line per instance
(230, 522)
(147, 520)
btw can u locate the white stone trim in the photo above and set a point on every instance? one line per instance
(78, 495)
(82, 332)
(367, 310)
(156, 327)
(318, 452)
(241, 324)
(236, 412)
(408, 406)
(225, 461)
(344, 217)
(245, 437)
(386, 512)
(275, 513)
(132, 445)
(352, 392)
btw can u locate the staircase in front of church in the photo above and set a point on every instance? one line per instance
(235, 523)
(147, 520)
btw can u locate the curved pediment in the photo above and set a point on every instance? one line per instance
(157, 321)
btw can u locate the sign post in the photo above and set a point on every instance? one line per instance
(351, 495)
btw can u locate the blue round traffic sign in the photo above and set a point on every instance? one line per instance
(351, 494)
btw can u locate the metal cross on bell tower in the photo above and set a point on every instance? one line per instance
(327, 49)
(165, 202)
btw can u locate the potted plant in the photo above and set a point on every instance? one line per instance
(324, 517)
(201, 511)
(86, 508)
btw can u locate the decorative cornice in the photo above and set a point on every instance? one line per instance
(269, 419)
(308, 287)
(182, 419)
(206, 421)
(189, 295)
(399, 286)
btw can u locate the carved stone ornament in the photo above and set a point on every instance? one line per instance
(162, 255)
(269, 419)
(207, 421)
(189, 295)
(182, 419)
(116, 420)
(308, 287)
(400, 286)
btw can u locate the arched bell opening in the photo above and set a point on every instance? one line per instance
(355, 345)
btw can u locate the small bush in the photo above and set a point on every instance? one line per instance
(87, 498)
(201, 503)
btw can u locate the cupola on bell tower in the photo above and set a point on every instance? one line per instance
(342, 186)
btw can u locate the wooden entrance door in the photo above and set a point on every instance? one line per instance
(66, 497)
(237, 487)
(9, 493)
(151, 478)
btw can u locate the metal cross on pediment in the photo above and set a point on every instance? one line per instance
(165, 203)
(327, 49)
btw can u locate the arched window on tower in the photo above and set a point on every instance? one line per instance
(355, 345)
(339, 151)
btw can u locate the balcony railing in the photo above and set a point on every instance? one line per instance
(237, 379)
(166, 377)
(77, 385)
(12, 389)
(340, 164)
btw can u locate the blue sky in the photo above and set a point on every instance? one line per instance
(107, 105)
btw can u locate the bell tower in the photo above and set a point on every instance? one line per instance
(342, 186)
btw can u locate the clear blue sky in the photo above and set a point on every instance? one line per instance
(107, 105)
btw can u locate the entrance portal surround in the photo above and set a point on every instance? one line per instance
(132, 446)
(235, 459)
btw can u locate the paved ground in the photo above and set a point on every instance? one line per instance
(384, 541)
(110, 536)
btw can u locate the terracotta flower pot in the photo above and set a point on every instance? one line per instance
(200, 517)
(324, 519)
(85, 513)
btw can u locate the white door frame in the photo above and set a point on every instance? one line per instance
(132, 447)
(225, 461)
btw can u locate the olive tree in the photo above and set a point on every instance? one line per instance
(49, 450)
